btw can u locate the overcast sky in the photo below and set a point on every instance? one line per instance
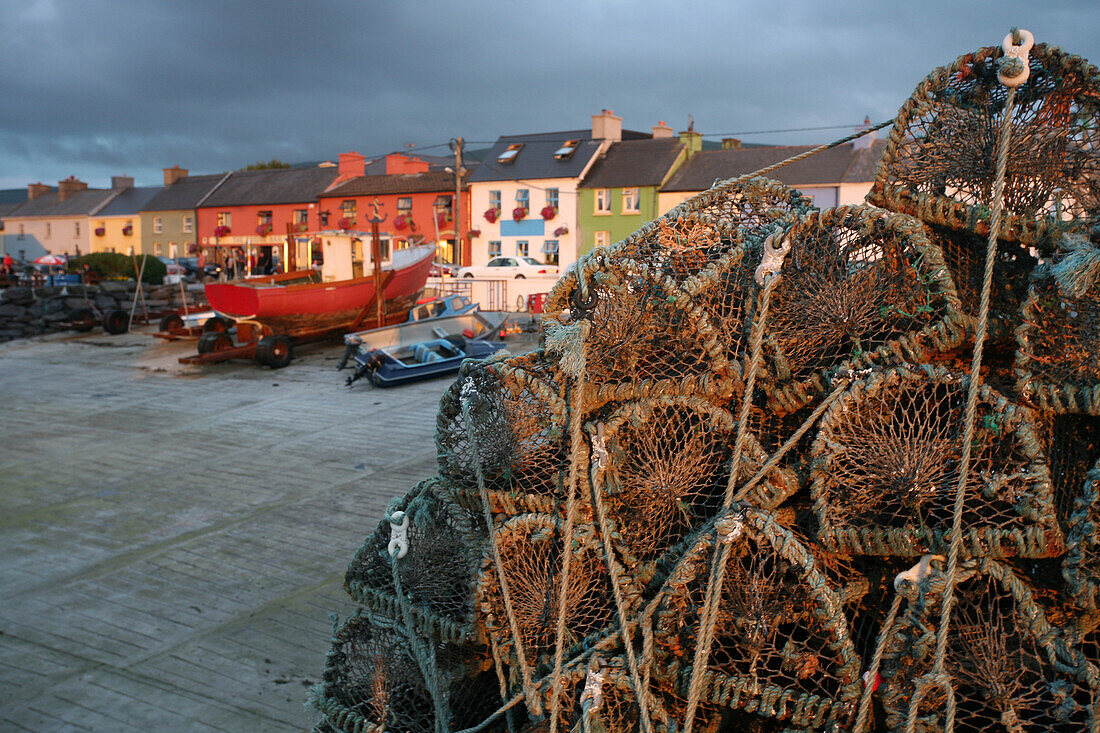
(128, 87)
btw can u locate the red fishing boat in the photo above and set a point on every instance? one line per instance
(263, 317)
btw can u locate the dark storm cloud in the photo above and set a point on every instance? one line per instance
(95, 89)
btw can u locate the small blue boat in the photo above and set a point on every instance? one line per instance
(392, 365)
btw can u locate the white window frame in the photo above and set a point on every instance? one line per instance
(188, 224)
(494, 199)
(76, 228)
(523, 198)
(494, 248)
(523, 246)
(632, 201)
(601, 239)
(552, 196)
(603, 201)
(158, 225)
(157, 249)
(49, 230)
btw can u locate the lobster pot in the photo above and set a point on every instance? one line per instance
(530, 548)
(515, 413)
(1082, 563)
(940, 161)
(859, 286)
(886, 469)
(661, 471)
(1010, 669)
(1058, 359)
(445, 545)
(781, 649)
(373, 681)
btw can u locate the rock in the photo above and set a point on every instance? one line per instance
(75, 303)
(11, 311)
(56, 317)
(23, 296)
(156, 304)
(105, 302)
(47, 291)
(112, 286)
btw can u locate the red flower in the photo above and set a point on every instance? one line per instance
(519, 213)
(345, 223)
(100, 231)
(127, 230)
(316, 241)
(549, 212)
(221, 231)
(561, 230)
(442, 218)
(473, 233)
(492, 214)
(263, 229)
(400, 222)
(302, 226)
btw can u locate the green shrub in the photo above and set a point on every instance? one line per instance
(115, 266)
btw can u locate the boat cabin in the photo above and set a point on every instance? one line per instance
(339, 255)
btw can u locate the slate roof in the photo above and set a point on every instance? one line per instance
(536, 159)
(842, 164)
(13, 196)
(185, 193)
(82, 203)
(395, 183)
(281, 186)
(129, 201)
(634, 163)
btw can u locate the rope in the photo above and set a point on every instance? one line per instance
(498, 665)
(709, 612)
(876, 661)
(938, 676)
(578, 334)
(513, 624)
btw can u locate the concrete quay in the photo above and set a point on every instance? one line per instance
(173, 538)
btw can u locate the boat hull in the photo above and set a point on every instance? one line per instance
(391, 372)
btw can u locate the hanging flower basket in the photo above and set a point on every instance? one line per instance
(192, 249)
(345, 223)
(473, 233)
(491, 215)
(302, 226)
(100, 231)
(221, 231)
(263, 229)
(442, 218)
(127, 230)
(519, 213)
(561, 231)
(316, 241)
(401, 223)
(549, 212)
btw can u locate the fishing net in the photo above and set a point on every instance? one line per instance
(530, 548)
(781, 646)
(510, 412)
(940, 160)
(1009, 668)
(445, 545)
(859, 286)
(886, 470)
(1058, 360)
(1082, 564)
(373, 682)
(662, 466)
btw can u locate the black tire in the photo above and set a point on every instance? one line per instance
(274, 351)
(217, 324)
(171, 322)
(468, 276)
(521, 276)
(82, 320)
(116, 322)
(213, 342)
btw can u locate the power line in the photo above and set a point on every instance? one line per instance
(788, 129)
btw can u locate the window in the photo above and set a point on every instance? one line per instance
(405, 206)
(158, 225)
(225, 219)
(157, 249)
(301, 216)
(631, 202)
(603, 200)
(602, 239)
(20, 234)
(48, 230)
(566, 151)
(263, 218)
(494, 199)
(509, 155)
(188, 225)
(494, 248)
(324, 218)
(523, 198)
(348, 210)
(521, 247)
(552, 197)
(550, 250)
(443, 206)
(76, 228)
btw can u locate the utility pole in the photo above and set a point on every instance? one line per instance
(461, 248)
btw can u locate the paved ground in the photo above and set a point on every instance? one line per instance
(173, 539)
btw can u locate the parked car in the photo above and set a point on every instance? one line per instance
(176, 271)
(191, 264)
(516, 267)
(442, 269)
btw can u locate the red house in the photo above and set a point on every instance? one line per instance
(416, 203)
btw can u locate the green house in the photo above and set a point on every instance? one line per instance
(620, 192)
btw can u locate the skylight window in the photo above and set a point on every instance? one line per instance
(509, 155)
(566, 151)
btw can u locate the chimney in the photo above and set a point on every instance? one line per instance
(352, 165)
(34, 190)
(606, 126)
(396, 163)
(862, 143)
(121, 183)
(69, 186)
(661, 130)
(692, 140)
(173, 174)
(731, 143)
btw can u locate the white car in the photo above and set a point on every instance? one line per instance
(514, 267)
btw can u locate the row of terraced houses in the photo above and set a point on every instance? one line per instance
(551, 196)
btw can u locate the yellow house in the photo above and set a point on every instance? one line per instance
(56, 222)
(117, 226)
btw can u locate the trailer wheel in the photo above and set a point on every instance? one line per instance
(115, 322)
(210, 343)
(171, 322)
(274, 351)
(217, 324)
(82, 320)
